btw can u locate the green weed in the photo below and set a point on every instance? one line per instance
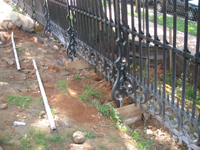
(55, 139)
(90, 91)
(77, 76)
(121, 127)
(53, 111)
(142, 142)
(19, 100)
(90, 135)
(19, 49)
(102, 147)
(109, 112)
(6, 141)
(15, 9)
(62, 86)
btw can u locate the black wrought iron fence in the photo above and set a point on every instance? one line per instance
(134, 54)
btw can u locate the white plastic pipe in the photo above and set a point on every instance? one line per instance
(46, 104)
(15, 52)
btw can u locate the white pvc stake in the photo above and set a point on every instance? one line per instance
(15, 52)
(46, 104)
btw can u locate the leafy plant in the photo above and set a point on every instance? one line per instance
(19, 100)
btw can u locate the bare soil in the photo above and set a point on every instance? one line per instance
(70, 114)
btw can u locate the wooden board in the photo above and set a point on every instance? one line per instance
(78, 64)
(130, 111)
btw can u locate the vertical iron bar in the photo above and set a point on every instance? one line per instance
(184, 65)
(133, 51)
(173, 50)
(155, 46)
(164, 60)
(140, 39)
(147, 42)
(196, 65)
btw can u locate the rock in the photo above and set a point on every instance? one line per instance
(84, 146)
(48, 86)
(20, 109)
(24, 90)
(42, 113)
(34, 87)
(79, 137)
(55, 47)
(39, 27)
(2, 38)
(154, 129)
(32, 72)
(3, 106)
(96, 76)
(10, 62)
(26, 71)
(25, 23)
(101, 134)
(66, 73)
(67, 123)
(53, 68)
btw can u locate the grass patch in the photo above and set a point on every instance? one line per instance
(102, 147)
(77, 76)
(142, 142)
(19, 100)
(192, 26)
(62, 86)
(121, 127)
(38, 139)
(90, 135)
(90, 91)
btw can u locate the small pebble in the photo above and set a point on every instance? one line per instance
(3, 106)
(42, 113)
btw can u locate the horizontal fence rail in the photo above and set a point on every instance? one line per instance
(137, 49)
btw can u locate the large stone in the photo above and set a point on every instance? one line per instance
(79, 137)
(13, 19)
(78, 64)
(84, 146)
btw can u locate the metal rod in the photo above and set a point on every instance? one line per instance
(46, 104)
(15, 52)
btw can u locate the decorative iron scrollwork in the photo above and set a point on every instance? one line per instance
(101, 63)
(172, 118)
(191, 131)
(123, 84)
(93, 58)
(109, 70)
(155, 105)
(70, 49)
(47, 30)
